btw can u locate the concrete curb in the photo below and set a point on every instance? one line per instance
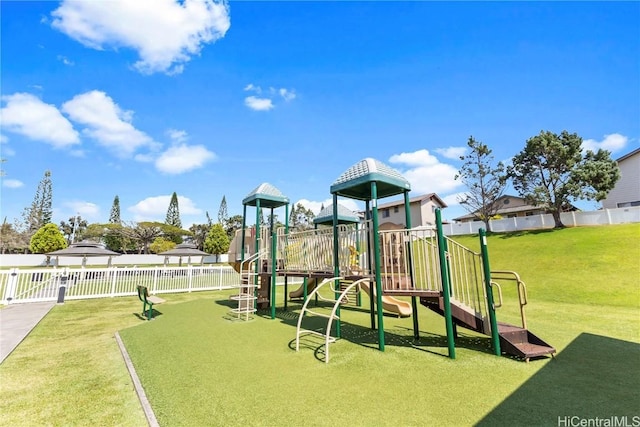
(144, 402)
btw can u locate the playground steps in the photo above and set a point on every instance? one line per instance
(515, 341)
(522, 343)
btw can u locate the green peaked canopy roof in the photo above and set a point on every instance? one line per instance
(269, 196)
(345, 216)
(355, 182)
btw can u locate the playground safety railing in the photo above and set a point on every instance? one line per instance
(409, 260)
(466, 277)
(498, 276)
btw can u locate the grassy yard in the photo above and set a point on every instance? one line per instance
(200, 368)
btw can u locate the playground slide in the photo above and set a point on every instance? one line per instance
(299, 293)
(393, 305)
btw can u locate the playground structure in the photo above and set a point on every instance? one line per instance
(387, 262)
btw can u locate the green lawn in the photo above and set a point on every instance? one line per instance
(200, 368)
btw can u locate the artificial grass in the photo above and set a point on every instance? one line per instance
(201, 369)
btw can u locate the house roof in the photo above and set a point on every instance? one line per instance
(626, 156)
(509, 210)
(416, 199)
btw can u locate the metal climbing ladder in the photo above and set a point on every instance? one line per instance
(247, 298)
(336, 289)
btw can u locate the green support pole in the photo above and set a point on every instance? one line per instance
(445, 287)
(414, 300)
(358, 298)
(376, 250)
(286, 290)
(273, 272)
(257, 247)
(336, 260)
(244, 227)
(371, 262)
(304, 289)
(495, 337)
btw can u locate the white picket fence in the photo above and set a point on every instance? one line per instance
(35, 285)
(536, 222)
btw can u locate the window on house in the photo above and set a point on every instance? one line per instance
(395, 209)
(385, 213)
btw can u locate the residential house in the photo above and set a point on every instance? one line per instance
(422, 210)
(509, 207)
(627, 190)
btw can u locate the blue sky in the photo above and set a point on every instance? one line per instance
(141, 99)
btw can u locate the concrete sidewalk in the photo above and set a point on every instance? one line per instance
(16, 321)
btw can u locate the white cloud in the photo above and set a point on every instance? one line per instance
(164, 33)
(27, 115)
(86, 210)
(253, 88)
(7, 151)
(12, 183)
(425, 172)
(613, 142)
(183, 158)
(265, 103)
(3, 139)
(106, 123)
(417, 158)
(177, 135)
(155, 208)
(453, 199)
(287, 94)
(316, 206)
(65, 60)
(258, 104)
(453, 153)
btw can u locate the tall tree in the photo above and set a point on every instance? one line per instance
(199, 232)
(485, 181)
(233, 224)
(41, 209)
(173, 218)
(114, 216)
(111, 239)
(552, 171)
(74, 229)
(173, 213)
(301, 218)
(223, 216)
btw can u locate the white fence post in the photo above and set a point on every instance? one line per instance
(113, 281)
(10, 292)
(155, 279)
(190, 276)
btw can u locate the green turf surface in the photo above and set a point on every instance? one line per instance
(199, 368)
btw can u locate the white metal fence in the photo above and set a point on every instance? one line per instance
(533, 222)
(31, 285)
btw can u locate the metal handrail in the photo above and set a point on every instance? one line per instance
(512, 276)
